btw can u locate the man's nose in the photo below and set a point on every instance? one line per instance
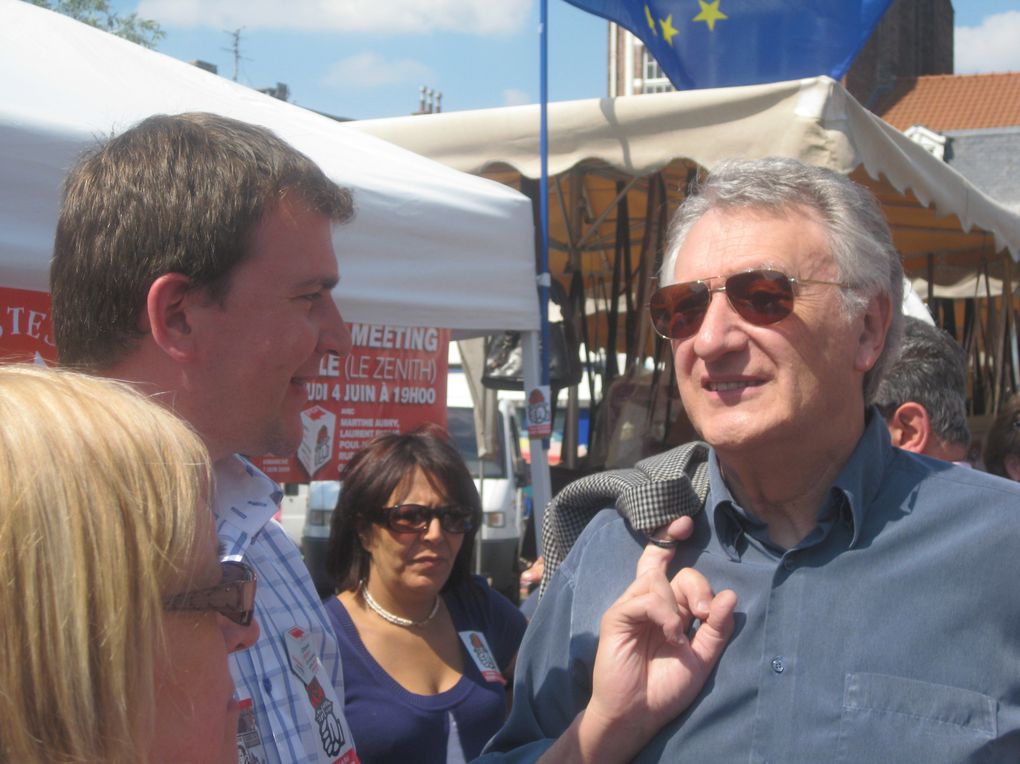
(721, 330)
(335, 336)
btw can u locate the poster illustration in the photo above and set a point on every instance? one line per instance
(393, 380)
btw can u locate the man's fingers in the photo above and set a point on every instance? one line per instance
(692, 591)
(657, 558)
(653, 606)
(678, 530)
(715, 631)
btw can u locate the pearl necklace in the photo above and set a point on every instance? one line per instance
(396, 620)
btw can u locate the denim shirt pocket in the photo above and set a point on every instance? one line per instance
(891, 718)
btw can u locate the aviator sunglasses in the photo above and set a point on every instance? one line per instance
(415, 518)
(233, 597)
(761, 297)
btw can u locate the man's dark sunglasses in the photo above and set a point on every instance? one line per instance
(233, 597)
(415, 518)
(761, 297)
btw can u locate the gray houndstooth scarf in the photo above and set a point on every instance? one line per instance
(651, 494)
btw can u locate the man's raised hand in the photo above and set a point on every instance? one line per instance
(647, 670)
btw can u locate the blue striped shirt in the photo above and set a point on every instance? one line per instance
(246, 501)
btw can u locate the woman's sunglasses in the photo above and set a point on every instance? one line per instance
(414, 518)
(761, 297)
(233, 597)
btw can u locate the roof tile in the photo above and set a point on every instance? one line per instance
(953, 101)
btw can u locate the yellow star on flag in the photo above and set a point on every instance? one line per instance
(651, 21)
(667, 29)
(710, 13)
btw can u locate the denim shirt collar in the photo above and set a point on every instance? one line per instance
(853, 491)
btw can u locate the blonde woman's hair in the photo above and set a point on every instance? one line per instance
(100, 491)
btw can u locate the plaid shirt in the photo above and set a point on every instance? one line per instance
(246, 501)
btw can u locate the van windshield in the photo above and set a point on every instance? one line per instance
(461, 424)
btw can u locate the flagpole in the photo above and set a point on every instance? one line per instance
(541, 488)
(544, 280)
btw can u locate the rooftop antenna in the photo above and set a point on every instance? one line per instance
(430, 101)
(235, 49)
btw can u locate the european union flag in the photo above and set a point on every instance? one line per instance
(718, 43)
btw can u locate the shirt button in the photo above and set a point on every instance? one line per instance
(789, 563)
(778, 666)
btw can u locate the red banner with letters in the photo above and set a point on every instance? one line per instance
(393, 380)
(25, 330)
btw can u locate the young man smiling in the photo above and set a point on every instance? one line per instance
(194, 258)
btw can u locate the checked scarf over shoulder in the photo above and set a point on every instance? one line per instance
(652, 493)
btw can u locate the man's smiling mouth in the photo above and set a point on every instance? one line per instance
(721, 387)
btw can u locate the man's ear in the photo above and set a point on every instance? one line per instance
(874, 329)
(166, 318)
(1012, 464)
(910, 427)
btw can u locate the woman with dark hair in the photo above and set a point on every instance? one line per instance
(427, 648)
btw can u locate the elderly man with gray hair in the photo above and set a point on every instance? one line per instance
(867, 623)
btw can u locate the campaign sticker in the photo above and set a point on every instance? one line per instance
(478, 648)
(249, 742)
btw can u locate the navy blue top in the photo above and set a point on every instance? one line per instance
(891, 633)
(395, 726)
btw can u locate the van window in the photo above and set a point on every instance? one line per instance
(461, 424)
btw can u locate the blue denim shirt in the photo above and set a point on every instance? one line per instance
(891, 633)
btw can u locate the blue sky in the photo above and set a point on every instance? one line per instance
(367, 58)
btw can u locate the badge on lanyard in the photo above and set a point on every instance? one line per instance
(333, 737)
(249, 743)
(478, 648)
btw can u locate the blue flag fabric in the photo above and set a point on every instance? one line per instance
(719, 43)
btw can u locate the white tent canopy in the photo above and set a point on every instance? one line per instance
(429, 246)
(932, 208)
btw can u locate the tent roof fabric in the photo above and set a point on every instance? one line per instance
(429, 246)
(931, 207)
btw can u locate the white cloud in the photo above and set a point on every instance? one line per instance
(992, 47)
(515, 97)
(367, 70)
(481, 17)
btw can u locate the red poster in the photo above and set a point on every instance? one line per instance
(393, 380)
(25, 331)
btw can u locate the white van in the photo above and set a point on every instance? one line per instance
(501, 479)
